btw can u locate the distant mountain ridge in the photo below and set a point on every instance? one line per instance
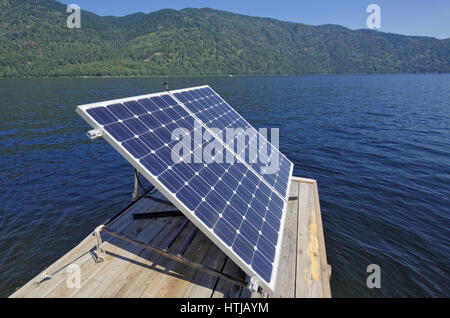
(35, 41)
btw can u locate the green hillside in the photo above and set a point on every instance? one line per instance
(35, 41)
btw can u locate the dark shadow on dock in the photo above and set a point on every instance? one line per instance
(177, 236)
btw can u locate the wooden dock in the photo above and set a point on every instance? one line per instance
(129, 270)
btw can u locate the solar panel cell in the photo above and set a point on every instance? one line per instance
(148, 105)
(225, 191)
(162, 118)
(151, 140)
(154, 164)
(135, 107)
(244, 249)
(266, 248)
(171, 180)
(184, 171)
(218, 168)
(225, 231)
(206, 214)
(190, 198)
(230, 181)
(158, 101)
(199, 185)
(249, 232)
(254, 218)
(169, 100)
(102, 115)
(136, 126)
(262, 266)
(119, 131)
(232, 216)
(272, 220)
(150, 121)
(136, 147)
(270, 233)
(216, 201)
(120, 111)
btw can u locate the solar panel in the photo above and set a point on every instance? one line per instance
(239, 208)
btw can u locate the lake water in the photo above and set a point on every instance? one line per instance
(378, 145)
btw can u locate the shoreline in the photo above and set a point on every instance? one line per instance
(218, 75)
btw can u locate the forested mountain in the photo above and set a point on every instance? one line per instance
(35, 41)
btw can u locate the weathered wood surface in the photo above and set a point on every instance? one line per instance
(129, 270)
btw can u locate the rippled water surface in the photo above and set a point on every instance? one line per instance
(378, 145)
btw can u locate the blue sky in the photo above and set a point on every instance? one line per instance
(411, 17)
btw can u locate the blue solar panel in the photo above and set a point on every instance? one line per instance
(213, 111)
(239, 209)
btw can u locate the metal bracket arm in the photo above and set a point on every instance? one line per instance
(177, 258)
(95, 134)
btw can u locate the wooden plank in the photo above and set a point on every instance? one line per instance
(79, 255)
(304, 206)
(325, 268)
(225, 289)
(139, 277)
(314, 274)
(202, 286)
(308, 275)
(166, 268)
(91, 270)
(132, 271)
(174, 287)
(288, 259)
(121, 256)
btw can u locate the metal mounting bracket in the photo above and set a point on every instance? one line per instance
(95, 134)
(100, 250)
(253, 284)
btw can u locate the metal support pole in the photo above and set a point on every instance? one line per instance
(180, 259)
(154, 215)
(136, 194)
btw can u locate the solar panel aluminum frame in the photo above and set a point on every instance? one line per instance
(82, 111)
